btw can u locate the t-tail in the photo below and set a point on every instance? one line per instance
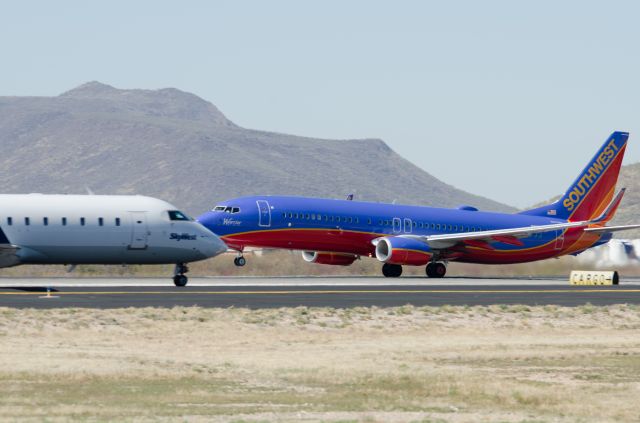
(593, 190)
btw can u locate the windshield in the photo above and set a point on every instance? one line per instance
(227, 209)
(178, 215)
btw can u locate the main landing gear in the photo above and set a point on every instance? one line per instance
(436, 270)
(391, 270)
(179, 279)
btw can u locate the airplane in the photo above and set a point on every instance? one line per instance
(338, 232)
(101, 229)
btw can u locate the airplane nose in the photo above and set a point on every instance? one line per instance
(212, 245)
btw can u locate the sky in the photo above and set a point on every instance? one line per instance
(504, 99)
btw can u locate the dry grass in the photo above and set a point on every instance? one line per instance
(290, 263)
(444, 364)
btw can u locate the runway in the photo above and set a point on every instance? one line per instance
(310, 292)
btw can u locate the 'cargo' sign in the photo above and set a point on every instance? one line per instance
(593, 277)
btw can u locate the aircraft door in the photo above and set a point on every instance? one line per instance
(408, 226)
(397, 225)
(139, 231)
(264, 213)
(559, 240)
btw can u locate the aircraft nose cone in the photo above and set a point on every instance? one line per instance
(213, 246)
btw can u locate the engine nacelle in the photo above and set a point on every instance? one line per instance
(395, 250)
(335, 259)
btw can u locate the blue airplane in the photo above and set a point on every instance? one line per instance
(337, 232)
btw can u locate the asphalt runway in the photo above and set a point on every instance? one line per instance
(311, 292)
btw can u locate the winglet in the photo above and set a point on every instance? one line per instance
(610, 211)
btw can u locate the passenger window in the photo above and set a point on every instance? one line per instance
(326, 218)
(438, 226)
(351, 220)
(357, 220)
(9, 221)
(433, 226)
(313, 216)
(380, 222)
(100, 221)
(450, 228)
(45, 221)
(177, 215)
(82, 221)
(338, 219)
(27, 222)
(117, 221)
(64, 221)
(369, 221)
(307, 216)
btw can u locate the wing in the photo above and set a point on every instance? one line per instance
(479, 238)
(606, 229)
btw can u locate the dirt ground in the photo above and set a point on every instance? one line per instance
(406, 364)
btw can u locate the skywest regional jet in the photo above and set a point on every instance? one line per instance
(337, 232)
(101, 229)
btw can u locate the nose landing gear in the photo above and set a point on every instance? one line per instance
(179, 279)
(239, 261)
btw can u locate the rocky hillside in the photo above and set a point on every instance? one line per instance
(174, 145)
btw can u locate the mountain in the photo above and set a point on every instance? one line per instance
(176, 146)
(629, 211)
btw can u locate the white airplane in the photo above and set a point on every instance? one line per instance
(101, 229)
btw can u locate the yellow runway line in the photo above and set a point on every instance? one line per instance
(321, 292)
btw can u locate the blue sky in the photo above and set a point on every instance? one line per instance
(503, 99)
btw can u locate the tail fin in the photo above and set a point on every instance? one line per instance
(593, 189)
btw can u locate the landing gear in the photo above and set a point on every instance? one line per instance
(179, 279)
(239, 261)
(436, 270)
(391, 270)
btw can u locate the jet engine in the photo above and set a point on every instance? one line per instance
(336, 259)
(396, 250)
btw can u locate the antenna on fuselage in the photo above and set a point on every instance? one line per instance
(350, 197)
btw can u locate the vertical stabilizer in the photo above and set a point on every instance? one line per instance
(593, 189)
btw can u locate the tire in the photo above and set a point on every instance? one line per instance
(391, 270)
(239, 261)
(439, 270)
(436, 270)
(429, 270)
(180, 280)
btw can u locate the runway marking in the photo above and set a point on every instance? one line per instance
(322, 292)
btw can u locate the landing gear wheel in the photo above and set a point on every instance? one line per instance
(180, 280)
(436, 270)
(239, 261)
(391, 270)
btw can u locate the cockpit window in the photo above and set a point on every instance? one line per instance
(178, 215)
(227, 209)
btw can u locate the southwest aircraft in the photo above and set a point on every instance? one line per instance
(101, 229)
(337, 232)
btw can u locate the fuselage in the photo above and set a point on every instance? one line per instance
(350, 227)
(100, 229)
